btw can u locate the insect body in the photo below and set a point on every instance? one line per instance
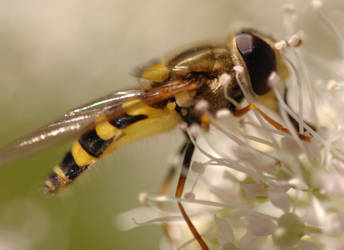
(171, 89)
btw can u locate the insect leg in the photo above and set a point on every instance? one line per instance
(278, 126)
(189, 150)
(294, 122)
(166, 186)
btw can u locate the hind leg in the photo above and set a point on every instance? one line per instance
(166, 187)
(189, 150)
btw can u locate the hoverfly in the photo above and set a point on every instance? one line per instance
(171, 89)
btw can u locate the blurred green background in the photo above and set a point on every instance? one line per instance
(55, 55)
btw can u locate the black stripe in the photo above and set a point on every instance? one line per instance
(125, 120)
(93, 144)
(189, 115)
(190, 148)
(69, 166)
(54, 180)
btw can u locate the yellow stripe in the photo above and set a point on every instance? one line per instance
(171, 105)
(106, 131)
(131, 103)
(157, 73)
(137, 107)
(146, 127)
(62, 177)
(81, 157)
(49, 184)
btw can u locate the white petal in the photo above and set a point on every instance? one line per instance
(313, 148)
(332, 184)
(189, 196)
(333, 225)
(280, 200)
(228, 246)
(290, 145)
(338, 165)
(329, 222)
(305, 245)
(258, 225)
(253, 190)
(225, 230)
(251, 242)
(324, 132)
(254, 159)
(198, 167)
(318, 209)
(278, 186)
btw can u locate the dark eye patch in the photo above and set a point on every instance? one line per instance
(259, 59)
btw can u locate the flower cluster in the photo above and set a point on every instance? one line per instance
(253, 186)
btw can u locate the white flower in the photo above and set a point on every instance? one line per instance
(255, 187)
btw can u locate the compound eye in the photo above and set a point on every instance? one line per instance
(259, 59)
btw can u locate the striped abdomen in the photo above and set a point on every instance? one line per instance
(138, 122)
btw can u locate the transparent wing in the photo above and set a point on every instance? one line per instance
(70, 124)
(81, 118)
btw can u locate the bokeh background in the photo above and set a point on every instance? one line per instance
(55, 55)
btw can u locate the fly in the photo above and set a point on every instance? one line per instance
(167, 96)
